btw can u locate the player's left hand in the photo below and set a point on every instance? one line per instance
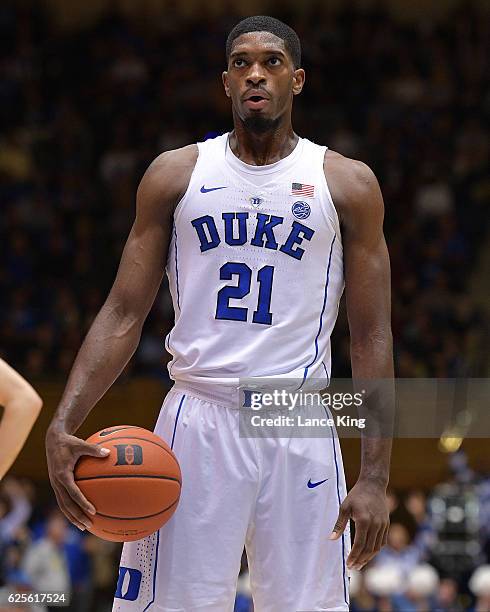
(367, 506)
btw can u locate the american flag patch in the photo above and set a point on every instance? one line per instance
(302, 189)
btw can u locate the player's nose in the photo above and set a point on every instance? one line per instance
(255, 74)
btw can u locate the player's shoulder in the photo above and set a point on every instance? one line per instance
(352, 183)
(175, 159)
(168, 175)
(349, 175)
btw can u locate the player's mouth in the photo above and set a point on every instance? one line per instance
(256, 101)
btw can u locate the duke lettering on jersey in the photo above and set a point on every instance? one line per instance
(235, 232)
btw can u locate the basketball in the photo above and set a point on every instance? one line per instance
(135, 489)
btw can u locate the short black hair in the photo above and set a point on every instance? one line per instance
(263, 23)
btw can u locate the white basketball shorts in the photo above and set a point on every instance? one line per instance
(236, 492)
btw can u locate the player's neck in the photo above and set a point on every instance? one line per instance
(262, 148)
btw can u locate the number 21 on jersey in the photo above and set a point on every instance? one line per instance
(265, 276)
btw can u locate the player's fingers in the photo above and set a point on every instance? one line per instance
(72, 519)
(362, 526)
(75, 510)
(341, 523)
(385, 535)
(371, 546)
(63, 507)
(379, 540)
(84, 448)
(77, 496)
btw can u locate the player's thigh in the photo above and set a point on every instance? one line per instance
(192, 563)
(293, 564)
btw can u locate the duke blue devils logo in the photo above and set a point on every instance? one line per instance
(256, 201)
(129, 454)
(128, 584)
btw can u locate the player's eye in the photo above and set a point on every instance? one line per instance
(239, 62)
(274, 61)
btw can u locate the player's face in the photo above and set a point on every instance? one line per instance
(261, 79)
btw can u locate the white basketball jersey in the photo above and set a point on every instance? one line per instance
(255, 268)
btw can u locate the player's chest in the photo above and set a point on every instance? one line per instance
(283, 217)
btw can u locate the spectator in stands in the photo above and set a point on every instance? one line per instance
(419, 591)
(383, 582)
(399, 553)
(361, 600)
(416, 504)
(15, 510)
(447, 599)
(480, 587)
(104, 558)
(45, 561)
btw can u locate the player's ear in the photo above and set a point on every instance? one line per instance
(298, 81)
(224, 76)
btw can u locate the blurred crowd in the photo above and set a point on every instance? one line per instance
(41, 552)
(437, 558)
(83, 113)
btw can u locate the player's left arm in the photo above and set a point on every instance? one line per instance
(21, 406)
(358, 199)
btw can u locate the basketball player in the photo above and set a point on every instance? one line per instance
(259, 229)
(21, 407)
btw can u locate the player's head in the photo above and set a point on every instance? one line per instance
(264, 58)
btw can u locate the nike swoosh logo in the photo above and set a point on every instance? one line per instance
(312, 485)
(108, 433)
(205, 190)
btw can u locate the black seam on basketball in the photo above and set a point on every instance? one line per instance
(137, 438)
(130, 533)
(137, 518)
(128, 476)
(105, 433)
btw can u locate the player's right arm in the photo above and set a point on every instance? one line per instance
(21, 406)
(115, 332)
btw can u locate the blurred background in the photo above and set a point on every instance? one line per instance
(90, 93)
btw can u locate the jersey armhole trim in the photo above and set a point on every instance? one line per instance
(182, 200)
(335, 220)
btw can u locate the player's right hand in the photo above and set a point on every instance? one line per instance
(63, 451)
